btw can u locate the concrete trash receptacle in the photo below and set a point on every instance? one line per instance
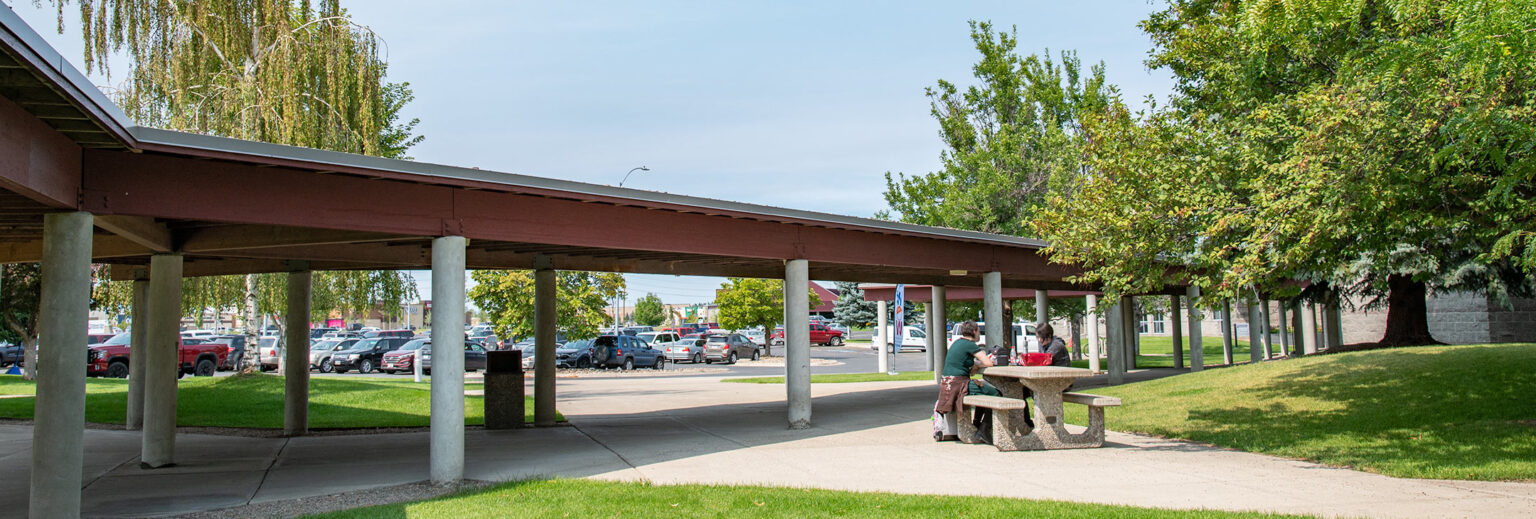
(504, 401)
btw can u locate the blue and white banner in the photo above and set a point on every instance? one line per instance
(901, 302)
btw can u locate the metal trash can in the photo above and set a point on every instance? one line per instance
(504, 401)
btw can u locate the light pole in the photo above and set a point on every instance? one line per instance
(632, 170)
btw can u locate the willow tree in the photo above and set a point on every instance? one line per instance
(289, 72)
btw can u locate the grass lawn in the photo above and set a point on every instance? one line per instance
(586, 498)
(833, 378)
(1157, 352)
(256, 401)
(1443, 412)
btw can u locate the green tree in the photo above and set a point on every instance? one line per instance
(290, 72)
(1376, 147)
(851, 309)
(505, 299)
(1009, 140)
(752, 302)
(649, 311)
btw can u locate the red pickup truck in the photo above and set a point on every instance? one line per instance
(820, 334)
(110, 359)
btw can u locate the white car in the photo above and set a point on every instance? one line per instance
(660, 340)
(912, 338)
(197, 334)
(756, 336)
(1023, 333)
(271, 353)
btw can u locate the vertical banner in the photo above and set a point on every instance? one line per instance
(897, 324)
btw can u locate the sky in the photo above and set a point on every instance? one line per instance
(787, 103)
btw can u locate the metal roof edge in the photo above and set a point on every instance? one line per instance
(75, 85)
(321, 158)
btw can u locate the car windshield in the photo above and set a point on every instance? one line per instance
(324, 345)
(415, 345)
(576, 345)
(121, 339)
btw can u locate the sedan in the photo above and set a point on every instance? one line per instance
(474, 357)
(690, 349)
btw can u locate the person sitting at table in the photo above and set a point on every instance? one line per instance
(1050, 343)
(965, 358)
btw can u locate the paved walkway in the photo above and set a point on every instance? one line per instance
(872, 436)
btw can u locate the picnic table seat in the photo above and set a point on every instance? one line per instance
(1011, 431)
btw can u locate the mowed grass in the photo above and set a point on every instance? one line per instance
(1157, 352)
(256, 401)
(834, 378)
(587, 498)
(1444, 412)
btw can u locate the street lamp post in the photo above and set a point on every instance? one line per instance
(632, 170)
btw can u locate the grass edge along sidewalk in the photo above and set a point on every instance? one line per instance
(256, 402)
(589, 498)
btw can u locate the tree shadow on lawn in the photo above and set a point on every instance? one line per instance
(1449, 412)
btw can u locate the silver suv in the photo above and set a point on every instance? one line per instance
(728, 348)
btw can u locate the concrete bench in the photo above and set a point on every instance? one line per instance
(1011, 431)
(1090, 400)
(996, 402)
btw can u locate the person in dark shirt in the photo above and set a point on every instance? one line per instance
(965, 358)
(1050, 343)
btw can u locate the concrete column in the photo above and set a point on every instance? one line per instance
(1308, 328)
(933, 338)
(992, 308)
(1114, 325)
(1228, 330)
(1335, 317)
(1296, 339)
(1269, 331)
(1176, 334)
(135, 418)
(1285, 335)
(1092, 323)
(797, 342)
(1256, 351)
(296, 355)
(1042, 307)
(544, 330)
(58, 426)
(1196, 336)
(161, 345)
(447, 422)
(1132, 333)
(882, 332)
(940, 325)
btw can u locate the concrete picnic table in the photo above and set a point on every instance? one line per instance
(1011, 431)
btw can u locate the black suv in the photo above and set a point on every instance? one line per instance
(367, 354)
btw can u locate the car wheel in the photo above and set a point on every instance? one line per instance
(205, 368)
(366, 366)
(757, 354)
(731, 359)
(426, 371)
(661, 363)
(837, 341)
(698, 358)
(265, 369)
(326, 366)
(117, 369)
(629, 364)
(709, 361)
(583, 363)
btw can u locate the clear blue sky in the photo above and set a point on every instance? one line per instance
(793, 104)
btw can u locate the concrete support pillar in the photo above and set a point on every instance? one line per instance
(1042, 307)
(1335, 317)
(1196, 336)
(938, 331)
(296, 355)
(933, 338)
(447, 421)
(161, 345)
(1308, 328)
(1296, 338)
(58, 427)
(882, 332)
(544, 331)
(797, 342)
(992, 308)
(1255, 333)
(1228, 330)
(135, 417)
(1091, 319)
(1269, 331)
(1176, 333)
(1132, 333)
(1114, 348)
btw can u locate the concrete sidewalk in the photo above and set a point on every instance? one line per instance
(870, 437)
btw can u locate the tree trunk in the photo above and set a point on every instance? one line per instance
(29, 357)
(1076, 324)
(1407, 313)
(768, 339)
(252, 337)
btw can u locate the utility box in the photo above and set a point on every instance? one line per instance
(504, 408)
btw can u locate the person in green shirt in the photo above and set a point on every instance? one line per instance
(965, 358)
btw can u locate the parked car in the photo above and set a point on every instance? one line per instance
(689, 349)
(197, 334)
(270, 352)
(756, 336)
(98, 338)
(574, 354)
(111, 358)
(369, 334)
(404, 357)
(660, 340)
(10, 354)
(728, 348)
(366, 354)
(846, 331)
(1023, 333)
(912, 338)
(820, 334)
(489, 340)
(625, 352)
(236, 344)
(474, 357)
(316, 333)
(322, 352)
